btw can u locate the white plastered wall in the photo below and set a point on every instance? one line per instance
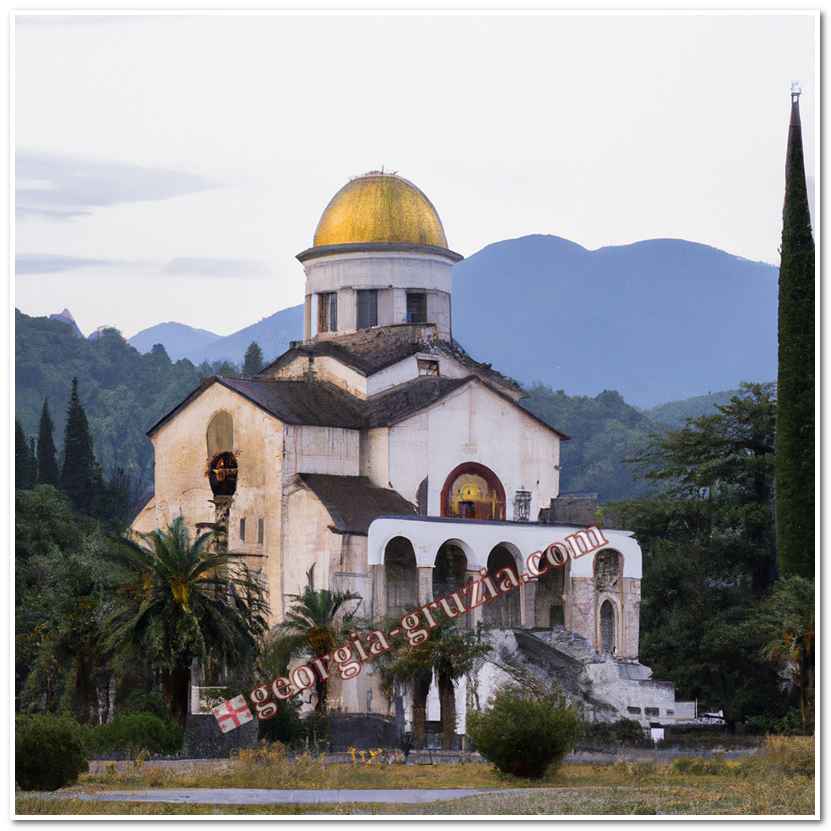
(391, 273)
(332, 450)
(407, 369)
(324, 368)
(474, 424)
(182, 487)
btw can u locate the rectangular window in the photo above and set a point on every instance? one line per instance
(367, 308)
(427, 367)
(416, 307)
(651, 711)
(242, 529)
(260, 530)
(327, 312)
(635, 711)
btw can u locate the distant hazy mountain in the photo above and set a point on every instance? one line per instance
(273, 333)
(676, 413)
(179, 340)
(66, 317)
(656, 320)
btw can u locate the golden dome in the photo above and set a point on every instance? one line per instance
(380, 207)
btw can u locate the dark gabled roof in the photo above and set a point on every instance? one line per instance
(366, 353)
(485, 371)
(315, 403)
(353, 501)
(370, 350)
(321, 404)
(398, 403)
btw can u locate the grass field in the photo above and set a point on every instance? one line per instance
(778, 780)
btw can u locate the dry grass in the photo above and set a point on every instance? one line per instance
(778, 780)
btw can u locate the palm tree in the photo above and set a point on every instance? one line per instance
(449, 653)
(314, 626)
(412, 667)
(179, 601)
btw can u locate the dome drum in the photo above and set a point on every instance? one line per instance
(379, 258)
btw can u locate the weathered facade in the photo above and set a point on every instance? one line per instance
(379, 452)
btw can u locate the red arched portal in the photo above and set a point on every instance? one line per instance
(473, 491)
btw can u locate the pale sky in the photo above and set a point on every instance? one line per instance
(169, 168)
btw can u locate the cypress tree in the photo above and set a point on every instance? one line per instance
(795, 388)
(47, 457)
(24, 463)
(78, 478)
(253, 359)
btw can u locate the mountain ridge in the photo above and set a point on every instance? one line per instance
(659, 320)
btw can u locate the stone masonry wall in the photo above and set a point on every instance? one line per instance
(580, 610)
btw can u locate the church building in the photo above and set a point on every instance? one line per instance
(377, 451)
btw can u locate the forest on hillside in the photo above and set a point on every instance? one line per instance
(124, 392)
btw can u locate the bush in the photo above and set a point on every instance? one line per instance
(133, 733)
(139, 701)
(286, 727)
(625, 731)
(789, 724)
(49, 753)
(522, 734)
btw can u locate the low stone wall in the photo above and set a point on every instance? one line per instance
(363, 731)
(204, 739)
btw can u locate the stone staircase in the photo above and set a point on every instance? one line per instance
(607, 689)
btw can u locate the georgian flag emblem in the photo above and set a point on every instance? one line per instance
(232, 714)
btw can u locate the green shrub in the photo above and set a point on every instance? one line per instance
(139, 701)
(49, 753)
(625, 731)
(133, 733)
(286, 727)
(522, 734)
(789, 724)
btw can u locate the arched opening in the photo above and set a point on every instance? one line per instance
(504, 612)
(222, 474)
(473, 491)
(220, 434)
(607, 628)
(549, 601)
(401, 576)
(450, 569)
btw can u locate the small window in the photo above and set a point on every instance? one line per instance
(327, 312)
(428, 367)
(416, 307)
(670, 712)
(242, 529)
(652, 711)
(367, 308)
(635, 711)
(260, 531)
